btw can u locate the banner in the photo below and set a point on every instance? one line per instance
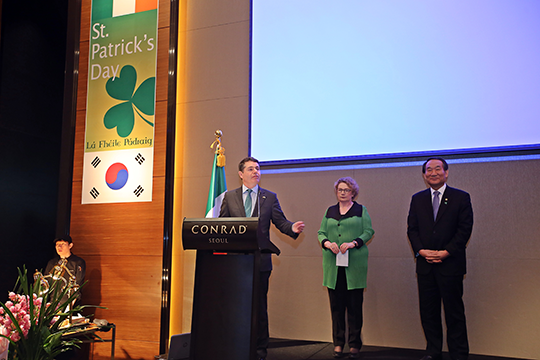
(120, 111)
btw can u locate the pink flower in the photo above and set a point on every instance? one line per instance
(15, 336)
(54, 320)
(4, 343)
(20, 309)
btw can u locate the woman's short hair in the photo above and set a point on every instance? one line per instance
(350, 183)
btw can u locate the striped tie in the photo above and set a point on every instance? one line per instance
(247, 204)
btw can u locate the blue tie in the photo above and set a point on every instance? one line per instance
(247, 204)
(435, 204)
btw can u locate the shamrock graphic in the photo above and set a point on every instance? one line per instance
(122, 116)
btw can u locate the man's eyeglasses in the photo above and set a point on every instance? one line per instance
(344, 190)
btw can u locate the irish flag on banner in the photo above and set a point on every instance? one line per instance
(102, 9)
(218, 187)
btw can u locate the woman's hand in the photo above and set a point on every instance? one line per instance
(346, 246)
(333, 247)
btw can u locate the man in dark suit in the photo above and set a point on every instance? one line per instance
(251, 201)
(439, 226)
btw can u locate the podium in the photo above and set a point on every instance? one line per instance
(226, 291)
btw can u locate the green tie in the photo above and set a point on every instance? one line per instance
(247, 204)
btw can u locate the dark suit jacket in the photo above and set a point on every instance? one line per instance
(270, 211)
(77, 267)
(450, 231)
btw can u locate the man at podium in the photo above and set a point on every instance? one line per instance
(250, 200)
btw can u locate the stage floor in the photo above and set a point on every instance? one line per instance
(284, 349)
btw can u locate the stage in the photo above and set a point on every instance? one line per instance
(284, 349)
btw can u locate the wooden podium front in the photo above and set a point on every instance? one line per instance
(226, 290)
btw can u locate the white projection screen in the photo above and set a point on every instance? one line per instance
(355, 78)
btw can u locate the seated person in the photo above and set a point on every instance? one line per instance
(65, 265)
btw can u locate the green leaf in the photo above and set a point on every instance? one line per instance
(122, 117)
(143, 98)
(122, 87)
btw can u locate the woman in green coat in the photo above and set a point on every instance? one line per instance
(345, 230)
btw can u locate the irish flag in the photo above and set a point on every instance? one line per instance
(218, 188)
(102, 9)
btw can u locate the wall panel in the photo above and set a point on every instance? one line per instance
(123, 243)
(501, 288)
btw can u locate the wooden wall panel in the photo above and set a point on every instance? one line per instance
(164, 14)
(134, 229)
(78, 152)
(125, 349)
(85, 20)
(128, 288)
(162, 65)
(161, 134)
(123, 243)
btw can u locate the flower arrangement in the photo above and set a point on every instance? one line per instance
(30, 322)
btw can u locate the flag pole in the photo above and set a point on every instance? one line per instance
(218, 183)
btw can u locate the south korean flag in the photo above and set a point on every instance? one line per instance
(117, 176)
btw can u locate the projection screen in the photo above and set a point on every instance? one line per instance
(348, 78)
